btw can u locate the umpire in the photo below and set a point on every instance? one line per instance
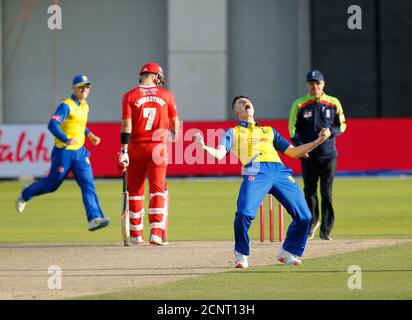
(308, 115)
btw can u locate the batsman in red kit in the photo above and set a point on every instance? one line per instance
(149, 116)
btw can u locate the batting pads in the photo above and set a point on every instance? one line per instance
(158, 204)
(158, 212)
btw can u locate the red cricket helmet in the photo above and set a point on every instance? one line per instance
(153, 67)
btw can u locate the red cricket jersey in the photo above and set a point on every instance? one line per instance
(150, 108)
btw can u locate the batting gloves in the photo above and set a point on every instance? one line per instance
(122, 160)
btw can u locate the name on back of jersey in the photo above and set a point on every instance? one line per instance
(147, 99)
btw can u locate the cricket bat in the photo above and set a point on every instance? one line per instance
(125, 222)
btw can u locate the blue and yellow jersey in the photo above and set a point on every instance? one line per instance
(69, 122)
(309, 115)
(254, 143)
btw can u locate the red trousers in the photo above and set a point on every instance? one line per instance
(147, 160)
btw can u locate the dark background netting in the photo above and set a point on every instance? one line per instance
(369, 70)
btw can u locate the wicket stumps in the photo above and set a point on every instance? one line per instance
(271, 221)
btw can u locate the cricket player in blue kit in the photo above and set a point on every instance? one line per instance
(263, 172)
(68, 125)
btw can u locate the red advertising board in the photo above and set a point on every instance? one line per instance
(367, 146)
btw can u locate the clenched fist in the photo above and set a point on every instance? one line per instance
(324, 134)
(198, 138)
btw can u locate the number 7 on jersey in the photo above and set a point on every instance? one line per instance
(150, 114)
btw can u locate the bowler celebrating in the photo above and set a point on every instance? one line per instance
(263, 172)
(68, 125)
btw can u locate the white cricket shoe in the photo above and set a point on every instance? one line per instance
(20, 204)
(156, 240)
(288, 258)
(240, 260)
(98, 223)
(137, 241)
(313, 230)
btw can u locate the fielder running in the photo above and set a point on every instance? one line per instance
(263, 172)
(68, 125)
(148, 114)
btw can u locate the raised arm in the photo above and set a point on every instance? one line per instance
(218, 153)
(304, 149)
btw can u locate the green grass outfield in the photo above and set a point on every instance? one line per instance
(367, 208)
(202, 210)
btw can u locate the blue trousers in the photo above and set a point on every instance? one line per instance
(61, 163)
(276, 179)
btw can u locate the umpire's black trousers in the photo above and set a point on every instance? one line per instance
(312, 170)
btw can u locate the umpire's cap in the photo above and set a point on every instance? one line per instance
(314, 75)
